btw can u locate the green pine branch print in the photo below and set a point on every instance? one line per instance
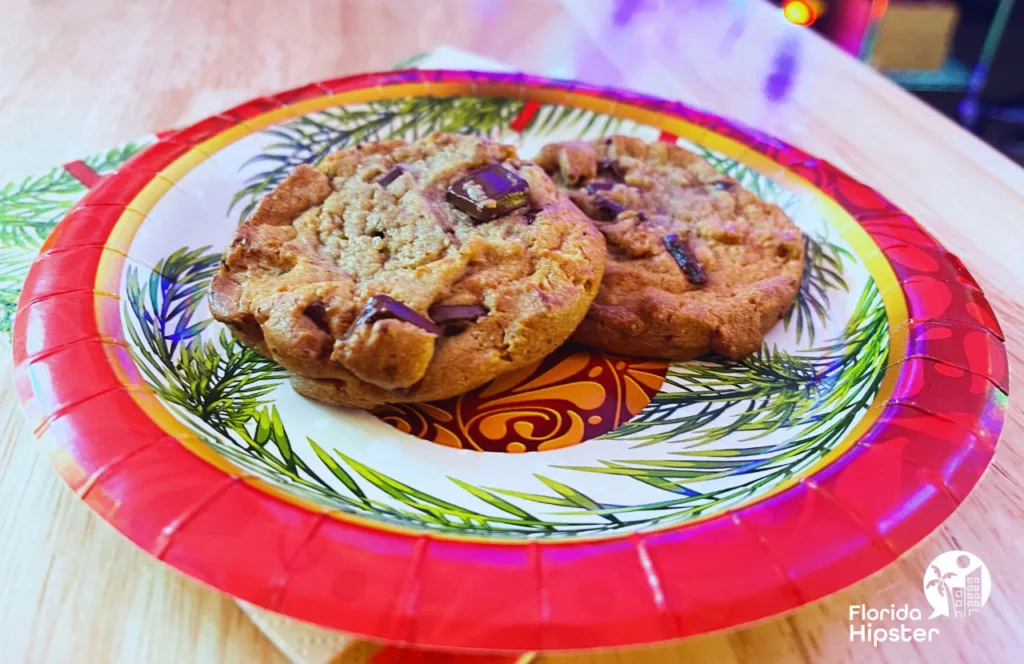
(771, 389)
(107, 162)
(221, 389)
(14, 265)
(310, 138)
(410, 62)
(30, 208)
(224, 392)
(817, 395)
(760, 185)
(823, 272)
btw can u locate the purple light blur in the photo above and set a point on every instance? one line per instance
(784, 71)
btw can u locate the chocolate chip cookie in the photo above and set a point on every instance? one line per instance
(396, 272)
(696, 263)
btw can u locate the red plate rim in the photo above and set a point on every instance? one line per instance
(927, 449)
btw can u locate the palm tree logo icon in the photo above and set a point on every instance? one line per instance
(957, 584)
(939, 579)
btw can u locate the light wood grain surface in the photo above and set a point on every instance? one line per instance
(79, 77)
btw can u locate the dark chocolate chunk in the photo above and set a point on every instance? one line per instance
(680, 251)
(608, 208)
(641, 216)
(724, 185)
(442, 314)
(489, 192)
(380, 307)
(611, 168)
(596, 186)
(390, 176)
(317, 312)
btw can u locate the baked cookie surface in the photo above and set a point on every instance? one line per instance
(396, 272)
(696, 263)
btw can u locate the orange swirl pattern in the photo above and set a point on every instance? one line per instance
(572, 395)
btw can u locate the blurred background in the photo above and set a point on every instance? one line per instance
(963, 57)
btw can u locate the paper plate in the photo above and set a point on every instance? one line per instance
(588, 501)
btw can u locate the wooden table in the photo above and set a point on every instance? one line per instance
(79, 77)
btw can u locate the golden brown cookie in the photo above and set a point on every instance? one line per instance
(401, 271)
(696, 263)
